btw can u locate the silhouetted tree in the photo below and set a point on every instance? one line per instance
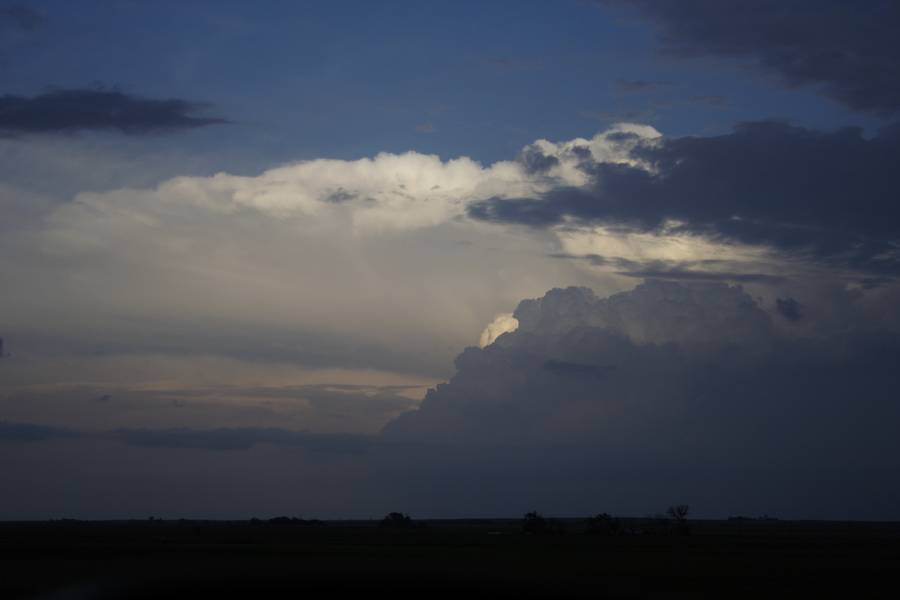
(534, 523)
(604, 524)
(679, 513)
(396, 520)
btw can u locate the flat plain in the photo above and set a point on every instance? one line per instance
(452, 558)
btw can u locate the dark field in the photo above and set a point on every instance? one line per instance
(166, 559)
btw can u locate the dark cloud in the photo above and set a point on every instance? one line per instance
(572, 369)
(695, 376)
(21, 17)
(788, 308)
(693, 275)
(64, 111)
(686, 270)
(27, 432)
(829, 196)
(536, 161)
(848, 50)
(340, 195)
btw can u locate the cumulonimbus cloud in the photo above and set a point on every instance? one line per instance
(697, 371)
(289, 265)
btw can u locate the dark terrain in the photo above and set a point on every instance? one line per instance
(179, 559)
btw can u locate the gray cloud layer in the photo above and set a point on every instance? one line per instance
(831, 196)
(670, 391)
(849, 50)
(71, 110)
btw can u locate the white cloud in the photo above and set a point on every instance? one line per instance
(372, 252)
(358, 264)
(663, 245)
(501, 324)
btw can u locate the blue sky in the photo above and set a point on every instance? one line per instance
(350, 79)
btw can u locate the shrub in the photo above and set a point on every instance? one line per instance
(534, 523)
(396, 520)
(604, 524)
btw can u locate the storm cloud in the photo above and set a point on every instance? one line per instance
(234, 321)
(685, 390)
(830, 196)
(71, 110)
(847, 50)
(671, 375)
(692, 391)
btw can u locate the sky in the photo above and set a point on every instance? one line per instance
(455, 259)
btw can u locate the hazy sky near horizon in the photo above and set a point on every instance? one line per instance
(255, 236)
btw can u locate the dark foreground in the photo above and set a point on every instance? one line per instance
(191, 559)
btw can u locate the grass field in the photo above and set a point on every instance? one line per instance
(719, 559)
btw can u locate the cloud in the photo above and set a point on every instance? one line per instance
(788, 308)
(21, 17)
(70, 110)
(29, 432)
(242, 438)
(237, 439)
(153, 294)
(709, 269)
(828, 196)
(501, 324)
(285, 265)
(670, 388)
(846, 50)
(139, 391)
(696, 375)
(594, 402)
(700, 275)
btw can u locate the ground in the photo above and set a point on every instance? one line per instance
(175, 559)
